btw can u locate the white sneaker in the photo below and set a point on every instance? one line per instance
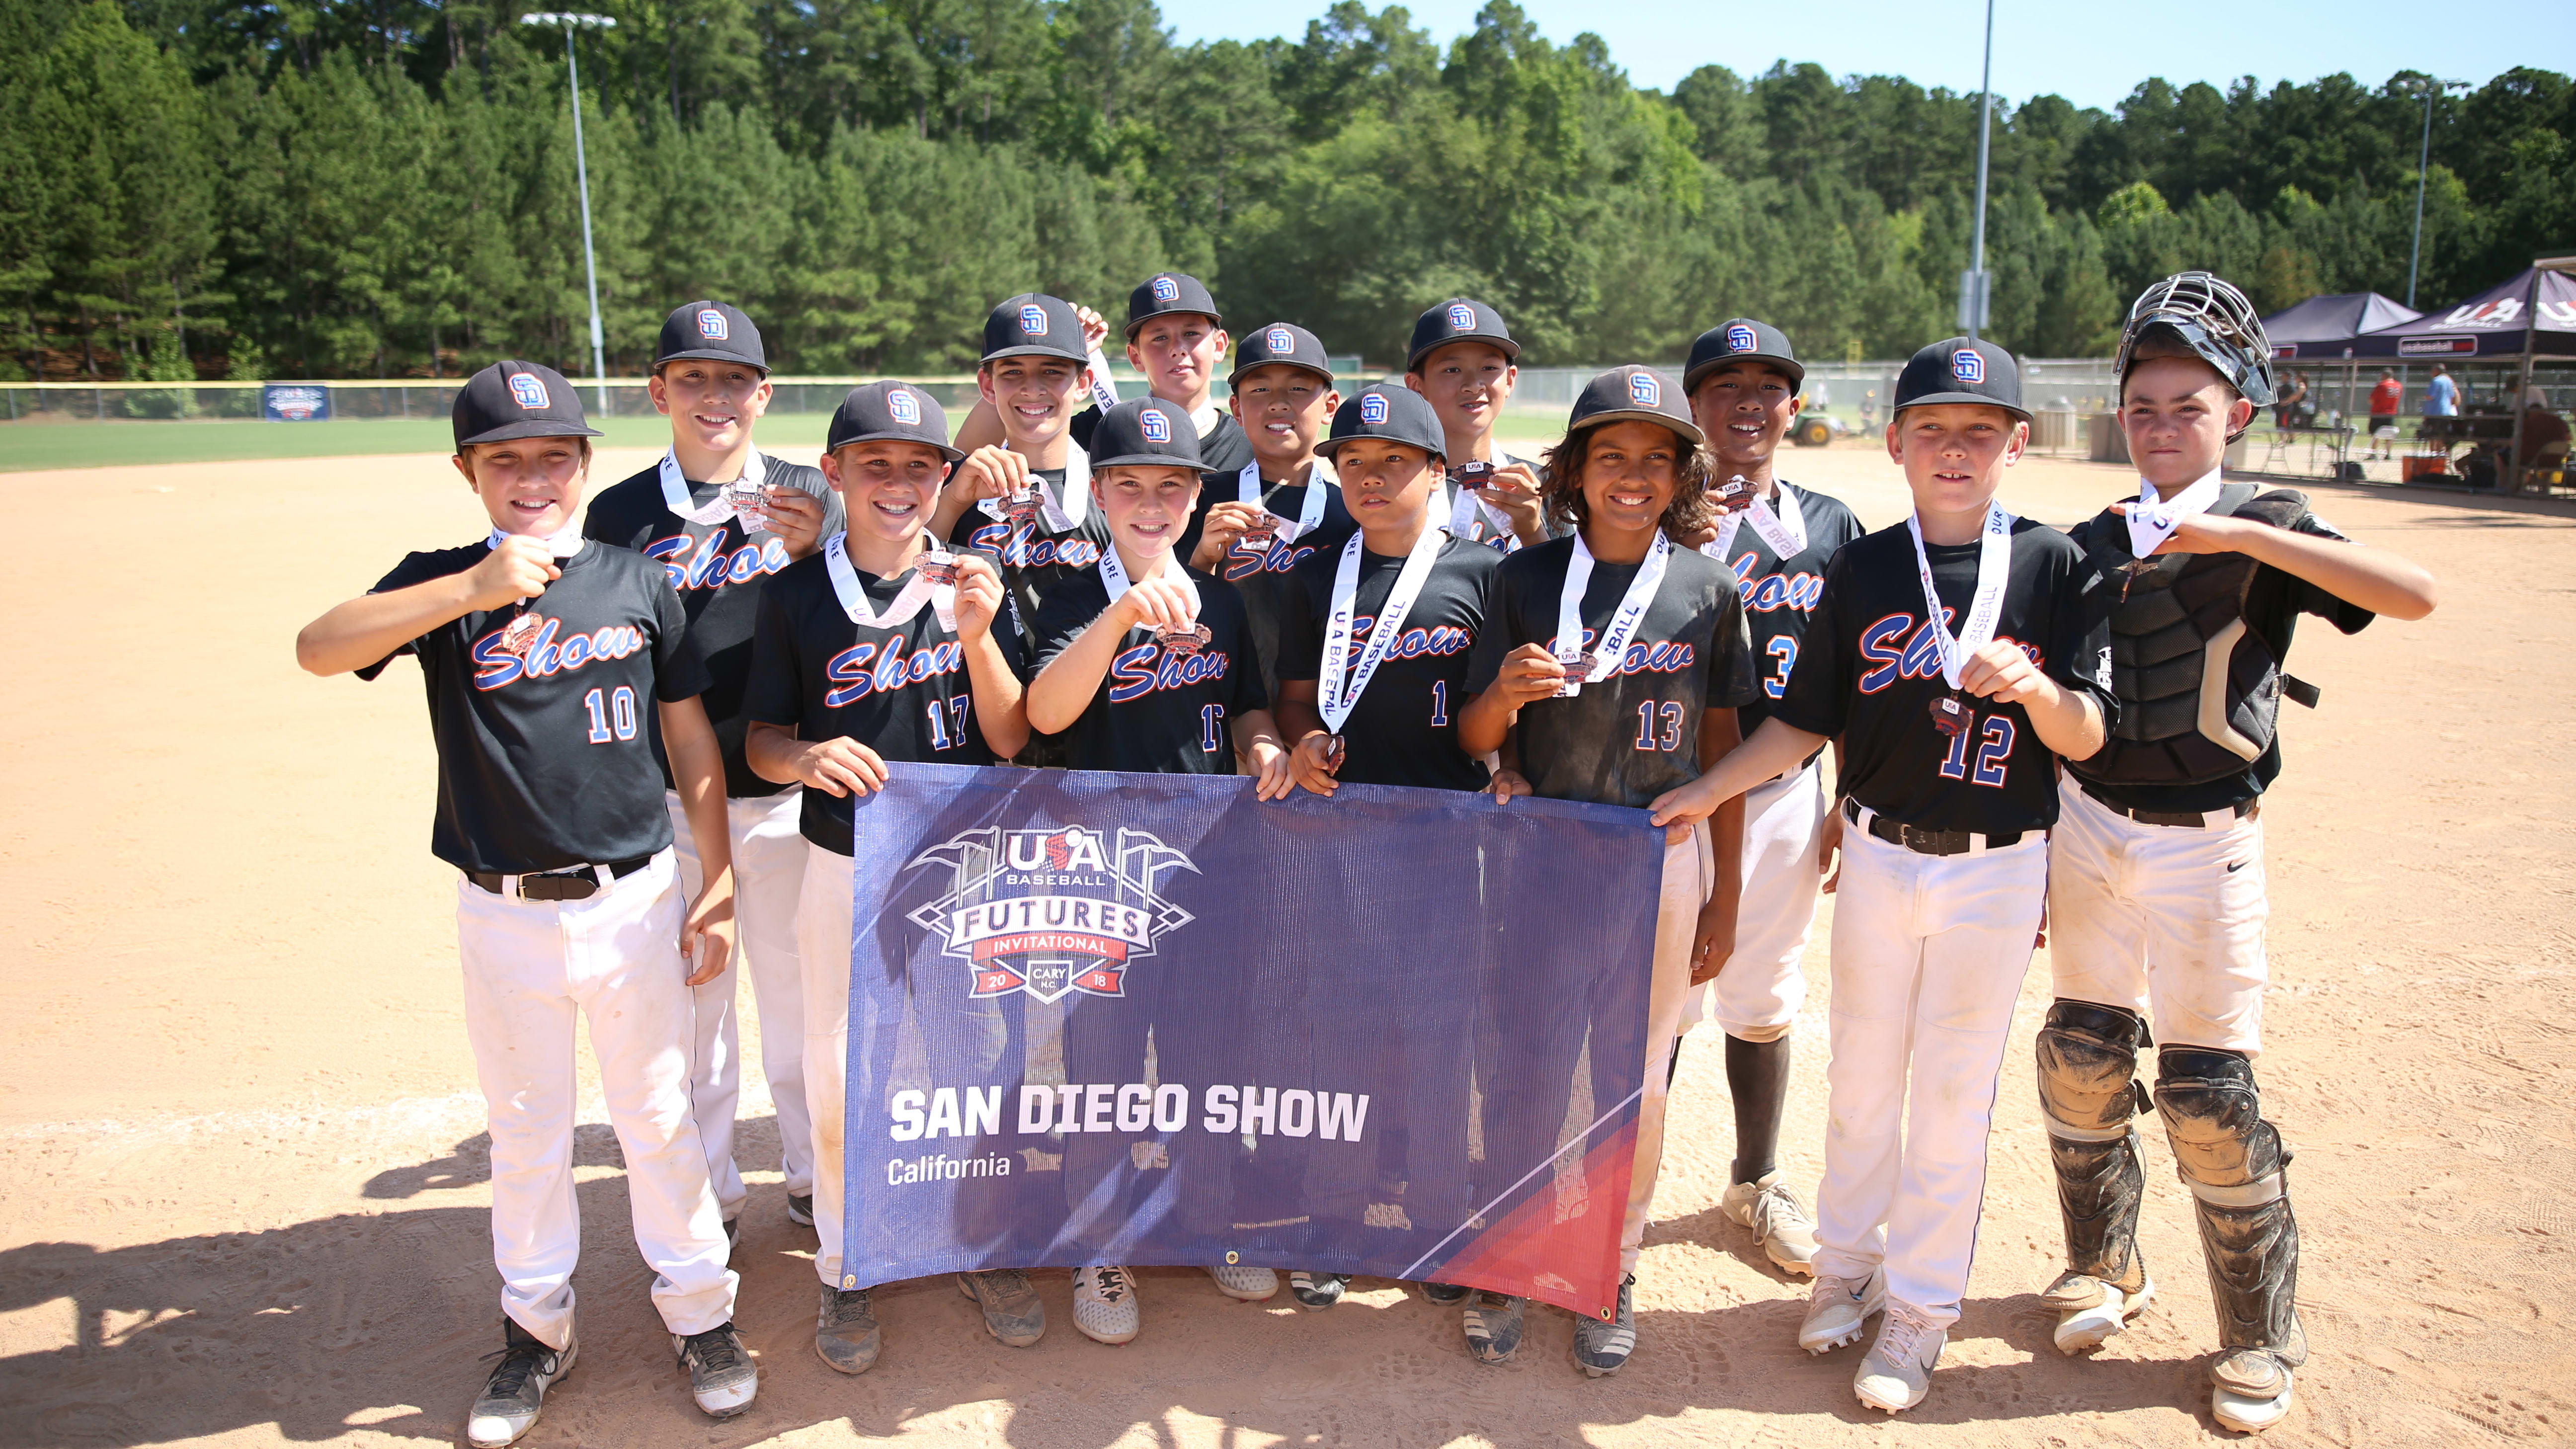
(2252, 1391)
(1252, 1285)
(1838, 1307)
(1104, 1304)
(1777, 1218)
(1898, 1371)
(2090, 1310)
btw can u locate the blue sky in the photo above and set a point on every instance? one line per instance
(2092, 54)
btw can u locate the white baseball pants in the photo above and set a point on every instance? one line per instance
(1757, 995)
(823, 946)
(615, 959)
(768, 871)
(1928, 956)
(1690, 873)
(2165, 920)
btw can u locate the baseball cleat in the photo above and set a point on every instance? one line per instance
(722, 1377)
(1603, 1348)
(1013, 1312)
(1317, 1290)
(1494, 1322)
(2090, 1310)
(1837, 1308)
(2252, 1391)
(845, 1330)
(1445, 1295)
(514, 1393)
(1238, 1280)
(1778, 1220)
(1897, 1372)
(800, 1209)
(1104, 1304)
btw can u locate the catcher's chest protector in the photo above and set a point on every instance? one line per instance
(2200, 693)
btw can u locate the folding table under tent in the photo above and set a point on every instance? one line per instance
(2322, 329)
(2530, 316)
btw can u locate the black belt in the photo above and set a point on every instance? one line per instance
(1927, 842)
(2181, 819)
(578, 884)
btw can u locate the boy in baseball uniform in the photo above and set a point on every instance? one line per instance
(722, 518)
(560, 675)
(1462, 359)
(1953, 655)
(2155, 871)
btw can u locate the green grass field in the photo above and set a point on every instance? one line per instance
(27, 446)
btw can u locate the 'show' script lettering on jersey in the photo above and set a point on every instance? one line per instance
(495, 667)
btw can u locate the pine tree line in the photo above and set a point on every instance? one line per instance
(355, 188)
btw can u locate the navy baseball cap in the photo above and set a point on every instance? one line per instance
(1283, 343)
(1459, 319)
(1633, 394)
(1961, 370)
(890, 412)
(513, 399)
(1145, 432)
(1169, 292)
(711, 332)
(1391, 411)
(1741, 340)
(1033, 324)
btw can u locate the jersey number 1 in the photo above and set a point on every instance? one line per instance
(619, 713)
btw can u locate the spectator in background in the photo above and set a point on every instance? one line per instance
(2441, 395)
(2542, 430)
(2383, 412)
(2292, 409)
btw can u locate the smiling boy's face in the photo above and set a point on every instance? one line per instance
(1745, 408)
(1283, 410)
(887, 488)
(528, 485)
(710, 404)
(1146, 506)
(1954, 454)
(1466, 383)
(1034, 396)
(2177, 412)
(1630, 469)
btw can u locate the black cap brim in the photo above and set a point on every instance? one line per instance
(1329, 446)
(512, 432)
(1214, 320)
(1790, 365)
(1681, 427)
(953, 455)
(1078, 359)
(1325, 373)
(1510, 350)
(1965, 400)
(708, 355)
(1147, 460)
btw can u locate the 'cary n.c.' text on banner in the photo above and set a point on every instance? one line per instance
(1147, 1019)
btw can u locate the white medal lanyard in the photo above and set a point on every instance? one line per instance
(1066, 516)
(675, 489)
(1104, 393)
(1785, 531)
(1310, 514)
(561, 545)
(1345, 679)
(1631, 612)
(1113, 577)
(853, 594)
(2153, 520)
(1994, 570)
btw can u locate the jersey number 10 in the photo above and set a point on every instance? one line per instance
(617, 715)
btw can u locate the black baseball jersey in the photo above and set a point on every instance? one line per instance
(718, 570)
(1262, 575)
(2274, 600)
(1222, 449)
(1780, 594)
(904, 691)
(1157, 712)
(553, 759)
(1034, 557)
(1869, 671)
(1482, 528)
(1404, 730)
(1633, 734)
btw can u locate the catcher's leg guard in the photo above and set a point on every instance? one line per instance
(2234, 1164)
(2088, 1062)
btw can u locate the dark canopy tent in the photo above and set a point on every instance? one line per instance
(2532, 315)
(2322, 327)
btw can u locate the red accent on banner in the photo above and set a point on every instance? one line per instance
(1530, 1253)
(993, 980)
(1081, 942)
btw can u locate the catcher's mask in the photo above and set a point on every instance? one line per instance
(2213, 319)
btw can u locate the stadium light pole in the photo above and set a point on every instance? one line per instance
(2423, 160)
(1975, 293)
(581, 169)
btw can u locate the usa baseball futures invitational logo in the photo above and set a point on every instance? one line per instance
(1049, 912)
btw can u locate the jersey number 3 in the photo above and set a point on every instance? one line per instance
(1994, 750)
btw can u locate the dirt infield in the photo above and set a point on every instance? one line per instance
(242, 1177)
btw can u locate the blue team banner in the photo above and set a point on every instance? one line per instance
(1148, 1019)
